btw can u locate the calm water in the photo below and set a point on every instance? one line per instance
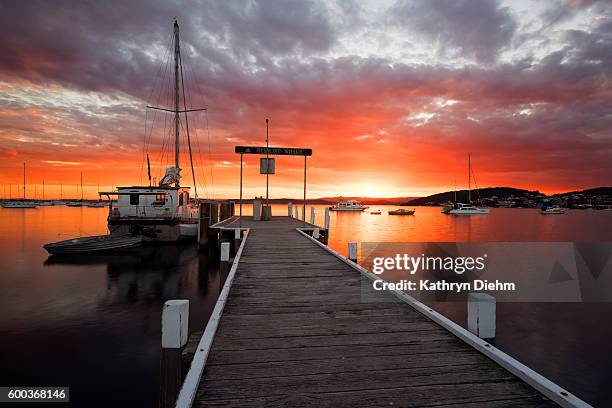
(90, 323)
(94, 323)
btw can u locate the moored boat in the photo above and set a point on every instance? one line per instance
(466, 209)
(162, 213)
(19, 204)
(455, 208)
(402, 211)
(376, 212)
(555, 209)
(350, 205)
(99, 243)
(97, 204)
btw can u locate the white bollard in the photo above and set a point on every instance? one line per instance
(312, 215)
(481, 315)
(289, 209)
(296, 213)
(352, 251)
(225, 251)
(315, 233)
(237, 239)
(174, 326)
(175, 318)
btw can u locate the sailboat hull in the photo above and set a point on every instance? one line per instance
(155, 230)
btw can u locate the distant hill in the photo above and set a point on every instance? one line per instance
(597, 191)
(333, 200)
(462, 195)
(370, 200)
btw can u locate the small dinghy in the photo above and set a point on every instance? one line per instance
(95, 244)
(375, 212)
(401, 211)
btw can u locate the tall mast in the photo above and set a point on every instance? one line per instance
(176, 94)
(81, 186)
(469, 181)
(43, 195)
(24, 182)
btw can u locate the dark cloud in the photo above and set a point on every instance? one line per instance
(477, 29)
(254, 58)
(562, 10)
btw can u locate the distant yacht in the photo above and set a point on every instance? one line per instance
(97, 204)
(555, 209)
(350, 205)
(465, 209)
(23, 203)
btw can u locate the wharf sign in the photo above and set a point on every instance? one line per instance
(280, 151)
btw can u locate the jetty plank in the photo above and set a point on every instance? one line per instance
(301, 328)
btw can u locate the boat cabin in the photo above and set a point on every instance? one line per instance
(151, 203)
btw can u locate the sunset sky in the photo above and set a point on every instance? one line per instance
(390, 95)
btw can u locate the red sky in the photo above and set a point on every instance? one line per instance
(391, 96)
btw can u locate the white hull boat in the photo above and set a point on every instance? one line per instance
(98, 204)
(349, 206)
(552, 210)
(19, 204)
(465, 209)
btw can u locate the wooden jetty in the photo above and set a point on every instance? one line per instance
(301, 327)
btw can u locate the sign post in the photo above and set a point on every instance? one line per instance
(267, 164)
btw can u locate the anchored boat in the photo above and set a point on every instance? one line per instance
(21, 203)
(555, 209)
(164, 212)
(402, 211)
(350, 205)
(465, 209)
(99, 243)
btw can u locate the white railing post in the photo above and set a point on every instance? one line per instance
(174, 326)
(327, 218)
(237, 239)
(312, 215)
(289, 209)
(481, 315)
(315, 233)
(225, 254)
(296, 216)
(352, 251)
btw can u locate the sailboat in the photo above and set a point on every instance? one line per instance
(44, 202)
(20, 203)
(77, 203)
(162, 212)
(97, 204)
(465, 209)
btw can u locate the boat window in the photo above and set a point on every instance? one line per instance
(160, 198)
(134, 199)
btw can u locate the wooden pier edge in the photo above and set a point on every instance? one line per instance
(542, 384)
(192, 379)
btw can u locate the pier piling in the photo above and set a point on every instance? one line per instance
(312, 215)
(327, 218)
(175, 319)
